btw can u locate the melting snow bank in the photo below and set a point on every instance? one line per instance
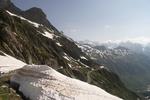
(40, 82)
(8, 63)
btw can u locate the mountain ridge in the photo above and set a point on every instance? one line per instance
(34, 14)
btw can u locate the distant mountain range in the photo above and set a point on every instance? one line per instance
(129, 59)
(136, 44)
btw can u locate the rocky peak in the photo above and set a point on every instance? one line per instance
(34, 14)
(37, 15)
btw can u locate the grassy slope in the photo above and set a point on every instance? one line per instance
(108, 81)
(7, 93)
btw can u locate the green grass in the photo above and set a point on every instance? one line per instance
(4, 97)
(7, 93)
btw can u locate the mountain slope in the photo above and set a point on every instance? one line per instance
(35, 43)
(132, 66)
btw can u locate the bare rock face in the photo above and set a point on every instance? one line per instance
(37, 15)
(8, 5)
(4, 4)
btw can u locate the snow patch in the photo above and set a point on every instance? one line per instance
(8, 63)
(67, 58)
(44, 83)
(65, 54)
(82, 57)
(70, 65)
(33, 23)
(83, 64)
(61, 67)
(102, 67)
(49, 35)
(59, 44)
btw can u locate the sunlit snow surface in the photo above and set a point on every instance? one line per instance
(59, 44)
(8, 63)
(49, 35)
(44, 83)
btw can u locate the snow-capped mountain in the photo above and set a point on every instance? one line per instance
(26, 38)
(103, 51)
(92, 43)
(130, 60)
(136, 44)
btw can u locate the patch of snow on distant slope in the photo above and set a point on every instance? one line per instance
(66, 57)
(82, 57)
(70, 65)
(49, 35)
(102, 67)
(33, 23)
(8, 63)
(58, 44)
(44, 83)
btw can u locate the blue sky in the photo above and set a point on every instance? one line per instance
(97, 20)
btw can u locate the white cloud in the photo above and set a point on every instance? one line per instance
(139, 40)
